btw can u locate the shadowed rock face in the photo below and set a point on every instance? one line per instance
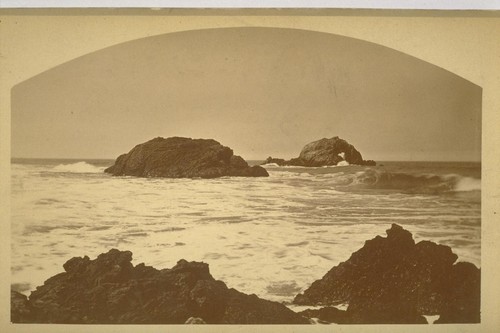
(110, 290)
(324, 152)
(394, 280)
(21, 310)
(183, 158)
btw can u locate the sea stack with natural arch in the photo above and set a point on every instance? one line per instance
(325, 152)
(178, 157)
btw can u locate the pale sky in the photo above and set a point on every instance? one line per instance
(260, 91)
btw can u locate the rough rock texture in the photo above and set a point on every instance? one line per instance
(183, 158)
(110, 290)
(462, 295)
(324, 152)
(394, 280)
(21, 310)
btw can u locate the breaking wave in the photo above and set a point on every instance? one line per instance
(414, 183)
(78, 167)
(468, 184)
(343, 163)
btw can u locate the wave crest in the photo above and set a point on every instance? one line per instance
(414, 183)
(78, 167)
(468, 184)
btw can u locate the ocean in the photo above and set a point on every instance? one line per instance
(270, 236)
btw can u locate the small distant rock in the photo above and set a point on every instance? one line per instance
(324, 152)
(277, 161)
(179, 157)
(327, 314)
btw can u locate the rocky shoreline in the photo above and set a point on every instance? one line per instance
(110, 290)
(390, 280)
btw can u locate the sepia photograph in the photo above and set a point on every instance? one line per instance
(250, 167)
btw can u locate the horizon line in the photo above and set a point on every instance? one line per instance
(246, 159)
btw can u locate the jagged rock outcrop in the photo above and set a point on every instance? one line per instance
(324, 152)
(393, 280)
(110, 290)
(178, 157)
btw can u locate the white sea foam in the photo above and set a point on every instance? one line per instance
(431, 318)
(292, 167)
(235, 224)
(468, 184)
(78, 167)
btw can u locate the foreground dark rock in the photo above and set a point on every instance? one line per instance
(389, 280)
(21, 310)
(183, 158)
(110, 290)
(393, 280)
(324, 152)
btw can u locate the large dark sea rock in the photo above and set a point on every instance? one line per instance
(392, 280)
(324, 152)
(178, 157)
(110, 290)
